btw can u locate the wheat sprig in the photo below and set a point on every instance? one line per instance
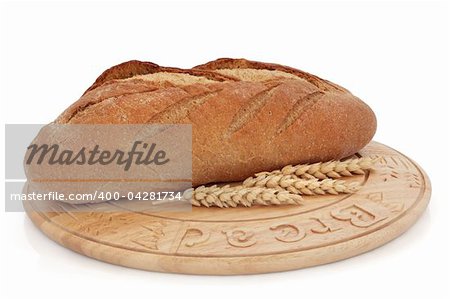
(297, 185)
(284, 186)
(228, 196)
(330, 169)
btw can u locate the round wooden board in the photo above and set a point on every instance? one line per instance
(257, 239)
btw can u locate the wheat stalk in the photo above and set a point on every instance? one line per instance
(228, 196)
(323, 170)
(296, 185)
(283, 186)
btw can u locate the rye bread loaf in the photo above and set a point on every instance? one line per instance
(246, 116)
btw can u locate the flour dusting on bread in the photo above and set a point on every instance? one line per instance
(255, 75)
(175, 78)
(246, 74)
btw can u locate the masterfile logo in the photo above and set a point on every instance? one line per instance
(97, 163)
(141, 153)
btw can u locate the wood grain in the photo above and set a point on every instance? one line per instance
(252, 240)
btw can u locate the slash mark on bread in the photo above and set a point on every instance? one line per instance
(254, 104)
(182, 108)
(302, 105)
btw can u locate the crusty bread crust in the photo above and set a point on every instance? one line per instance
(239, 127)
(134, 67)
(230, 63)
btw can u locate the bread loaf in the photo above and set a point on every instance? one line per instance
(246, 116)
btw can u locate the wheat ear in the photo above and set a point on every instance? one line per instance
(330, 169)
(228, 196)
(297, 185)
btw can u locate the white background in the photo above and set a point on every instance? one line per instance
(393, 55)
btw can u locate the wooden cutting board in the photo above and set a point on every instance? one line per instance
(257, 239)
